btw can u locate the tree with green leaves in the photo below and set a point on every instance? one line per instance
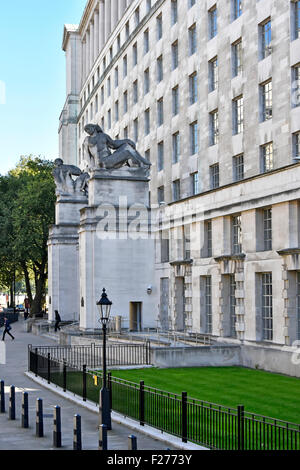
(27, 209)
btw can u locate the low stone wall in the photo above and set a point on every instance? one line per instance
(279, 360)
(201, 356)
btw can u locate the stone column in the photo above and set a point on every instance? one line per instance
(121, 8)
(114, 13)
(87, 53)
(91, 45)
(83, 59)
(107, 19)
(96, 34)
(101, 25)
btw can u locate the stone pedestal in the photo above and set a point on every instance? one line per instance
(116, 250)
(63, 259)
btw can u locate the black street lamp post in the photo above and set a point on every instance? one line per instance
(104, 306)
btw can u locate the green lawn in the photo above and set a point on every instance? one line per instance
(265, 393)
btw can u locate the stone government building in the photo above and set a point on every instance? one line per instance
(209, 91)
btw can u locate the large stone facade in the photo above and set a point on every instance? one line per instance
(220, 123)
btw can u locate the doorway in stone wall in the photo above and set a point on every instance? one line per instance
(135, 316)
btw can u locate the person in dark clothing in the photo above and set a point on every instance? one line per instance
(57, 321)
(7, 329)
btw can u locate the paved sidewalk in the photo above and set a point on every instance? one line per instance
(13, 437)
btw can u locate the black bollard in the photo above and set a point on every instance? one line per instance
(25, 420)
(102, 437)
(77, 443)
(39, 418)
(2, 397)
(12, 403)
(57, 427)
(132, 442)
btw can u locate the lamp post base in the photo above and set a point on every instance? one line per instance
(104, 409)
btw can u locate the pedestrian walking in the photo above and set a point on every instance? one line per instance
(27, 307)
(57, 321)
(7, 329)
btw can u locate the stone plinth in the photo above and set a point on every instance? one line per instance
(63, 259)
(116, 251)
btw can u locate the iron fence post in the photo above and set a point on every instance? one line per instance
(184, 416)
(142, 403)
(109, 388)
(84, 382)
(36, 362)
(64, 375)
(48, 368)
(240, 417)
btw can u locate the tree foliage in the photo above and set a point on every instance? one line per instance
(27, 209)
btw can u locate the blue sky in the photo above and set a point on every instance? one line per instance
(32, 72)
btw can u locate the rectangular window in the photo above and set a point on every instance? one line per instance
(265, 34)
(127, 30)
(236, 226)
(116, 110)
(137, 16)
(96, 104)
(175, 55)
(108, 86)
(232, 305)
(236, 9)
(213, 74)
(136, 130)
(212, 22)
(126, 132)
(146, 81)
(134, 55)
(125, 66)
(267, 157)
(111, 53)
(116, 77)
(161, 194)
(175, 101)
(102, 95)
(208, 305)
(295, 85)
(296, 145)
(164, 246)
(159, 27)
(191, 3)
(214, 176)
(186, 243)
(160, 156)
(118, 42)
(159, 69)
(109, 119)
(135, 92)
(295, 11)
(208, 238)
(237, 58)
(266, 100)
(176, 190)
(125, 101)
(194, 138)
(174, 12)
(192, 40)
(193, 88)
(195, 183)
(238, 168)
(147, 121)
(160, 112)
(238, 115)
(214, 127)
(146, 41)
(175, 147)
(267, 306)
(267, 221)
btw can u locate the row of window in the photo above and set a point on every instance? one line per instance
(265, 48)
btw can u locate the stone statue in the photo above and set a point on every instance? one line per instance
(65, 184)
(97, 151)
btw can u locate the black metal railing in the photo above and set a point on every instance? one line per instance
(207, 424)
(92, 355)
